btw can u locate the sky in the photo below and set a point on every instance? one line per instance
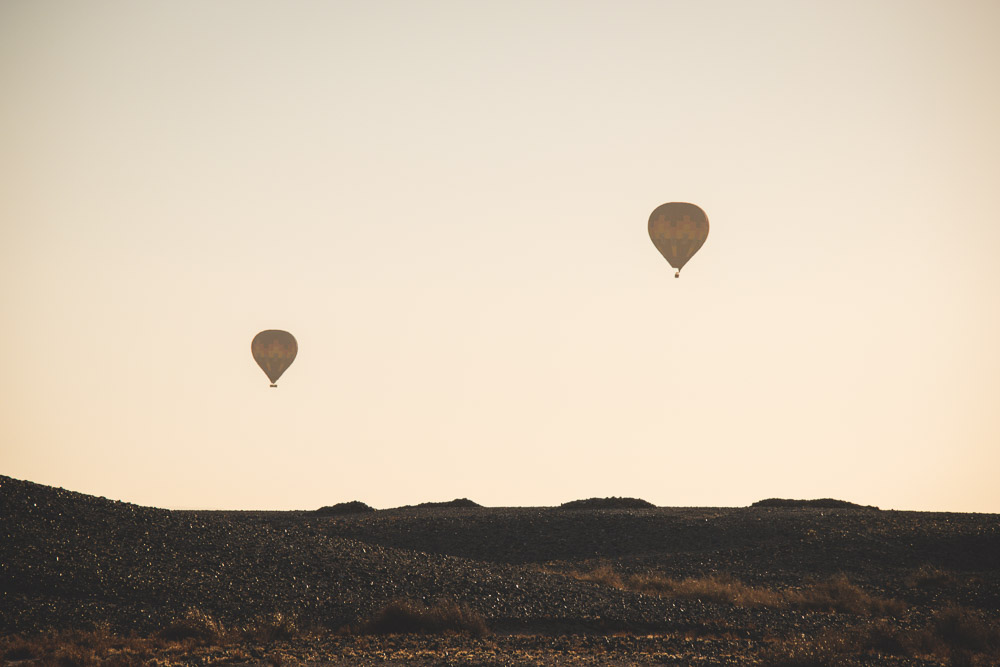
(446, 203)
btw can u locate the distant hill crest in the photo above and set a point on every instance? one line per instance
(827, 503)
(612, 503)
(353, 507)
(457, 502)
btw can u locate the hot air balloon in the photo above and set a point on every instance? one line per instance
(274, 351)
(678, 229)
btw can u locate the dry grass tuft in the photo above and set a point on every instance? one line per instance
(271, 628)
(603, 575)
(18, 648)
(961, 628)
(838, 647)
(74, 648)
(954, 636)
(194, 624)
(713, 588)
(834, 594)
(839, 594)
(406, 617)
(928, 577)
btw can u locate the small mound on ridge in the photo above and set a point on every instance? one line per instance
(827, 503)
(612, 503)
(457, 502)
(353, 507)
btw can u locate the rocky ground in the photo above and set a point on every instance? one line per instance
(73, 562)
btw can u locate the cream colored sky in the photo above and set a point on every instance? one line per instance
(446, 203)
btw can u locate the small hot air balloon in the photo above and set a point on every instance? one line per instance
(274, 351)
(678, 230)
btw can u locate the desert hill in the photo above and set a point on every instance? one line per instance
(69, 560)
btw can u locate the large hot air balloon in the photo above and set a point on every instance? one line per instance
(678, 229)
(274, 351)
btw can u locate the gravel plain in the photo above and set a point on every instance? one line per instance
(72, 561)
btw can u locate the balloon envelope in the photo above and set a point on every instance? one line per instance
(274, 351)
(678, 230)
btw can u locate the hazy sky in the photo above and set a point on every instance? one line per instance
(446, 203)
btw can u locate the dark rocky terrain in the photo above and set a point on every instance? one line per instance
(71, 561)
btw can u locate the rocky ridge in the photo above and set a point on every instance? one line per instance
(69, 560)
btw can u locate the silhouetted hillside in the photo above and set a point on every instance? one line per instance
(829, 503)
(69, 560)
(612, 503)
(457, 502)
(352, 507)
